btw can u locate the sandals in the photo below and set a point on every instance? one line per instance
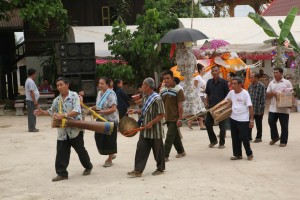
(236, 158)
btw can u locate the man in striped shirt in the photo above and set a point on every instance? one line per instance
(258, 97)
(151, 137)
(173, 97)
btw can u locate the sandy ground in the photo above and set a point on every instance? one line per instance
(27, 167)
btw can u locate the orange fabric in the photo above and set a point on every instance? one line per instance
(247, 79)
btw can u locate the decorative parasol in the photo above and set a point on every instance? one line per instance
(213, 44)
(182, 35)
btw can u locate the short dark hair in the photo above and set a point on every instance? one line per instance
(107, 80)
(80, 89)
(238, 79)
(31, 71)
(278, 69)
(199, 67)
(215, 66)
(176, 80)
(166, 72)
(63, 79)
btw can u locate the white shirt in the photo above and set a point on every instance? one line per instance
(30, 85)
(200, 86)
(240, 105)
(279, 86)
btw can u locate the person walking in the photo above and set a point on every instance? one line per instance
(258, 98)
(172, 96)
(106, 106)
(240, 124)
(279, 84)
(67, 106)
(32, 97)
(123, 99)
(151, 137)
(216, 90)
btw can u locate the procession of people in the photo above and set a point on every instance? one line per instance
(165, 107)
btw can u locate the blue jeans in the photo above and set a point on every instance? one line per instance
(284, 123)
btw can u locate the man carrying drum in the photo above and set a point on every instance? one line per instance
(67, 105)
(241, 119)
(151, 137)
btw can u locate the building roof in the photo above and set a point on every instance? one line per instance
(237, 30)
(14, 23)
(281, 7)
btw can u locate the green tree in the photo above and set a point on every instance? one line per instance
(121, 10)
(285, 33)
(183, 9)
(138, 48)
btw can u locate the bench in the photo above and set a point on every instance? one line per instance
(45, 106)
(19, 105)
(2, 109)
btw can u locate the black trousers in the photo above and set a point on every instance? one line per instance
(239, 135)
(143, 149)
(173, 138)
(31, 117)
(63, 152)
(209, 123)
(122, 113)
(258, 123)
(284, 123)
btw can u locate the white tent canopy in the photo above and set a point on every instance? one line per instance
(94, 34)
(237, 30)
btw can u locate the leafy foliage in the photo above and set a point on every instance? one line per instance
(121, 10)
(138, 48)
(115, 71)
(183, 9)
(38, 13)
(259, 20)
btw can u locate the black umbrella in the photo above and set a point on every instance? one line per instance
(182, 35)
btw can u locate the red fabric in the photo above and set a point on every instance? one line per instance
(172, 51)
(100, 61)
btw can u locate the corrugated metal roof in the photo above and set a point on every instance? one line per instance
(14, 23)
(281, 7)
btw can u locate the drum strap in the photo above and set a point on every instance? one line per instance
(63, 121)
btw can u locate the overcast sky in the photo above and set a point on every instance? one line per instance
(242, 11)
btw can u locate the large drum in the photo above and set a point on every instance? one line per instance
(221, 111)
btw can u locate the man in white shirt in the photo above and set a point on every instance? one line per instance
(32, 96)
(279, 84)
(240, 125)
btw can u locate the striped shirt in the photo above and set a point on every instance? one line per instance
(258, 97)
(157, 130)
(171, 97)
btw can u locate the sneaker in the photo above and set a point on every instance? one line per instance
(257, 140)
(282, 145)
(157, 172)
(250, 157)
(166, 159)
(134, 174)
(107, 164)
(236, 158)
(34, 130)
(59, 178)
(274, 141)
(221, 146)
(180, 155)
(211, 145)
(87, 172)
